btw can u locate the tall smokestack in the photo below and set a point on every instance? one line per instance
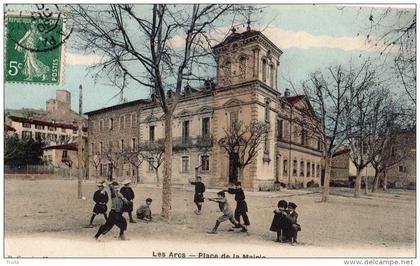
(80, 99)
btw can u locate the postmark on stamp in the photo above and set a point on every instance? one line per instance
(34, 49)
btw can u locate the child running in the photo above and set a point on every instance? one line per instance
(241, 206)
(101, 199)
(115, 215)
(227, 213)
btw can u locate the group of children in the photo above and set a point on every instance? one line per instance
(240, 210)
(121, 201)
(284, 222)
(285, 216)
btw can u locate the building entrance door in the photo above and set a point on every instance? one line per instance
(233, 167)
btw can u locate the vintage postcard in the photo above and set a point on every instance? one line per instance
(210, 131)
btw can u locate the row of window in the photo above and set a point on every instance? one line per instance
(185, 130)
(44, 136)
(302, 134)
(122, 146)
(50, 128)
(185, 164)
(312, 169)
(268, 71)
(125, 121)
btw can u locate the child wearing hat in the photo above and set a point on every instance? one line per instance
(292, 224)
(128, 194)
(100, 197)
(200, 188)
(115, 215)
(241, 206)
(227, 213)
(278, 224)
(144, 212)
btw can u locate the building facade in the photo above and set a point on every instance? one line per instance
(401, 173)
(246, 91)
(111, 132)
(57, 125)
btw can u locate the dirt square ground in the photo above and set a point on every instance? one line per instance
(44, 218)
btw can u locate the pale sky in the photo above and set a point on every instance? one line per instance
(311, 38)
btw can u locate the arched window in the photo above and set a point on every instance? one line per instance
(264, 70)
(242, 67)
(272, 75)
(122, 122)
(227, 71)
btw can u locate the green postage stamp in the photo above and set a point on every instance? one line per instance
(34, 49)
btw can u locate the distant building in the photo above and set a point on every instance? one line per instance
(112, 129)
(401, 173)
(57, 125)
(343, 170)
(64, 155)
(9, 131)
(246, 90)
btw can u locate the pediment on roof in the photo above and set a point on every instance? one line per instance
(151, 118)
(232, 103)
(205, 109)
(305, 106)
(184, 113)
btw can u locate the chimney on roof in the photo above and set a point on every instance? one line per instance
(286, 92)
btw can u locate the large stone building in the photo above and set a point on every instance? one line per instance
(245, 90)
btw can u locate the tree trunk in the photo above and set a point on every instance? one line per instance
(385, 187)
(357, 183)
(375, 185)
(137, 175)
(326, 186)
(167, 168)
(366, 185)
(241, 174)
(157, 177)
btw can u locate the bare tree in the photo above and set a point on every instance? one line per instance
(396, 31)
(154, 154)
(134, 157)
(390, 147)
(112, 157)
(245, 141)
(361, 121)
(157, 47)
(96, 162)
(329, 95)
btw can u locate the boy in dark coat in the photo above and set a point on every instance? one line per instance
(241, 206)
(115, 215)
(101, 199)
(128, 194)
(292, 226)
(278, 224)
(200, 188)
(227, 213)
